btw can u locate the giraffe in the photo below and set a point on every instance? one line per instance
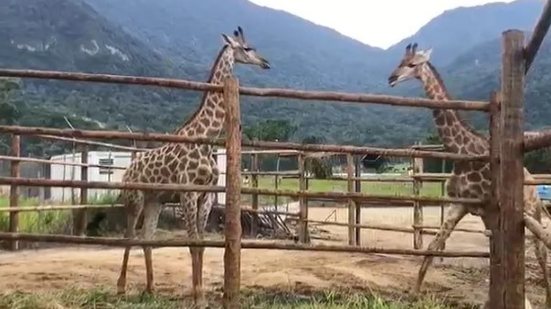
(469, 179)
(184, 164)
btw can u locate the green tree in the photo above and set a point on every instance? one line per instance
(270, 130)
(539, 161)
(9, 111)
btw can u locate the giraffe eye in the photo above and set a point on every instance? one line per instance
(411, 65)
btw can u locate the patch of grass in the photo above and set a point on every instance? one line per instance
(104, 199)
(35, 222)
(334, 300)
(101, 297)
(86, 299)
(319, 185)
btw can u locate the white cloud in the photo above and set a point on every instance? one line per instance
(375, 22)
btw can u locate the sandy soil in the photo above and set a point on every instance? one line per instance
(464, 279)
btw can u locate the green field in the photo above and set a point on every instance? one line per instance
(59, 221)
(48, 221)
(318, 185)
(35, 222)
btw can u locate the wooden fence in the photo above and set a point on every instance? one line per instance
(506, 161)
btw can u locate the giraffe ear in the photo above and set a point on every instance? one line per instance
(427, 53)
(229, 40)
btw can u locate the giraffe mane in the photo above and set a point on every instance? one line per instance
(459, 116)
(204, 98)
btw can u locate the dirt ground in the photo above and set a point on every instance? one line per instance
(461, 279)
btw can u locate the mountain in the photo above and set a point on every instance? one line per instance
(303, 55)
(188, 31)
(456, 31)
(71, 36)
(477, 72)
(180, 38)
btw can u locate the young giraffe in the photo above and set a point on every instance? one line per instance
(469, 179)
(184, 164)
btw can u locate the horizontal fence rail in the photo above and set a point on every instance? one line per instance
(537, 140)
(137, 149)
(256, 144)
(120, 242)
(426, 229)
(379, 227)
(261, 92)
(113, 206)
(51, 162)
(91, 143)
(33, 182)
(542, 26)
(464, 230)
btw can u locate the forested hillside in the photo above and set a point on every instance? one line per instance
(180, 38)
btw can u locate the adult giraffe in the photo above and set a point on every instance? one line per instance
(184, 164)
(469, 179)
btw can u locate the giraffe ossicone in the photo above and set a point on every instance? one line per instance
(469, 179)
(184, 164)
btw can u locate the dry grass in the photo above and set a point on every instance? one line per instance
(101, 297)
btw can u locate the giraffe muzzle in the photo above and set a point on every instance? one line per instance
(392, 80)
(265, 64)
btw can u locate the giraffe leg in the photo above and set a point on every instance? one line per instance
(132, 215)
(455, 213)
(150, 218)
(541, 256)
(204, 207)
(188, 203)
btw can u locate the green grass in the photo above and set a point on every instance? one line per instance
(318, 185)
(102, 298)
(50, 221)
(104, 199)
(35, 222)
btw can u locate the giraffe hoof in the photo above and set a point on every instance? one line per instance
(121, 290)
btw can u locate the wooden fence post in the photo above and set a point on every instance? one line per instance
(358, 188)
(496, 279)
(351, 202)
(232, 230)
(79, 215)
(15, 172)
(442, 205)
(254, 182)
(276, 186)
(417, 206)
(508, 291)
(303, 234)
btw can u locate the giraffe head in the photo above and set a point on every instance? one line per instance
(243, 52)
(410, 65)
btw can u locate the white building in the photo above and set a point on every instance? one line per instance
(113, 158)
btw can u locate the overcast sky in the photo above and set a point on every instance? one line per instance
(378, 23)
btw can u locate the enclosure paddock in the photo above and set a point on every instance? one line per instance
(507, 260)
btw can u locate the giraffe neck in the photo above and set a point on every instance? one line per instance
(208, 119)
(456, 135)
